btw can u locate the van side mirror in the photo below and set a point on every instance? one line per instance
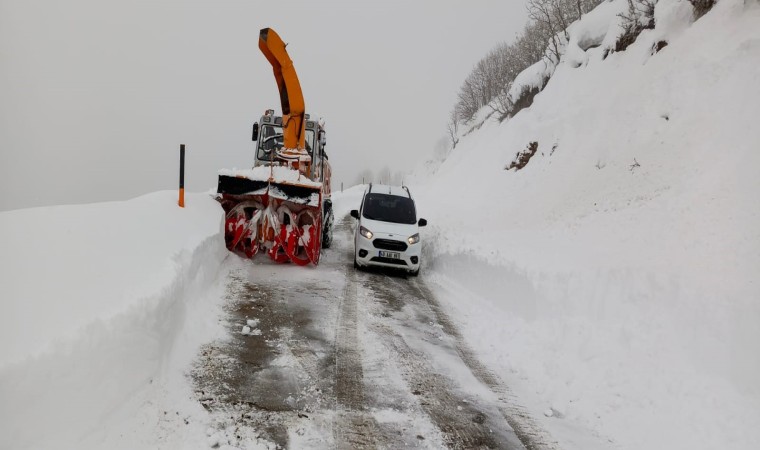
(322, 138)
(255, 132)
(355, 213)
(422, 222)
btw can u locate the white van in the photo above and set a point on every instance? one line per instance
(387, 234)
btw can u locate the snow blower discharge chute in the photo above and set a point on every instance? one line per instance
(282, 205)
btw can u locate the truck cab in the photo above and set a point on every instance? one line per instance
(268, 133)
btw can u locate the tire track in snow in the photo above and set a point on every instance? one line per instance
(353, 428)
(530, 434)
(398, 291)
(465, 420)
(348, 366)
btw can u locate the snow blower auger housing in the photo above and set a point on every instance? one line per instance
(282, 205)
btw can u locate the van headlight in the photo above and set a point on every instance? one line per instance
(413, 239)
(365, 232)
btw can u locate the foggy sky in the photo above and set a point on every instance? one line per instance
(97, 95)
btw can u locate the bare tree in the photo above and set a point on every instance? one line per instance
(397, 179)
(467, 99)
(531, 45)
(384, 177)
(365, 176)
(551, 19)
(559, 9)
(638, 17)
(542, 12)
(502, 104)
(489, 81)
(453, 128)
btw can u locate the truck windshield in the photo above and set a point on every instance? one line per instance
(389, 208)
(271, 138)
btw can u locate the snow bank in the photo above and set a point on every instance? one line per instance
(63, 267)
(534, 77)
(104, 306)
(596, 31)
(614, 279)
(344, 202)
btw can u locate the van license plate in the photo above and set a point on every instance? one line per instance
(391, 255)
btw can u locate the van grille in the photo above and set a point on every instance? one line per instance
(390, 244)
(398, 262)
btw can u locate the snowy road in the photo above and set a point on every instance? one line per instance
(337, 358)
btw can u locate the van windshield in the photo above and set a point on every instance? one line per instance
(389, 208)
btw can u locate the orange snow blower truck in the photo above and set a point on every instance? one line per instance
(282, 205)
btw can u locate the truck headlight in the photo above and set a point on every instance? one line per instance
(365, 232)
(413, 239)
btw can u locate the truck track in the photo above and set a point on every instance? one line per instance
(348, 359)
(466, 419)
(423, 308)
(354, 429)
(529, 433)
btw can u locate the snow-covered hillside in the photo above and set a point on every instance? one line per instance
(613, 280)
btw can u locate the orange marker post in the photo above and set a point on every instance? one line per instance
(182, 175)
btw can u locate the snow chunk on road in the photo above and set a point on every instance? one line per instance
(249, 329)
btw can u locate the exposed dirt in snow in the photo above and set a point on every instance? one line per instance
(349, 359)
(271, 381)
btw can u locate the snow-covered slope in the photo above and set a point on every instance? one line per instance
(103, 307)
(613, 280)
